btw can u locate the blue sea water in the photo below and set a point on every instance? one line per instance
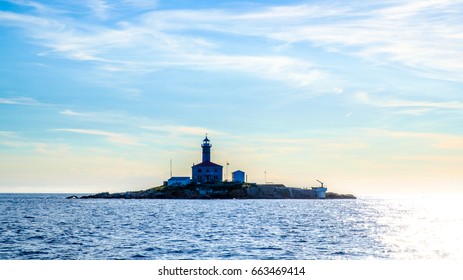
(48, 226)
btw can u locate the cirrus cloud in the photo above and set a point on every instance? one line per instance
(118, 138)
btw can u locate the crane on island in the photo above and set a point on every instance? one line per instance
(320, 182)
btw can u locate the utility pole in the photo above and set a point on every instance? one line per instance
(265, 177)
(170, 168)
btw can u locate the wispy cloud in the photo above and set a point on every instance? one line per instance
(163, 44)
(100, 8)
(296, 72)
(144, 123)
(109, 117)
(33, 4)
(422, 106)
(23, 20)
(423, 36)
(68, 112)
(118, 138)
(8, 134)
(432, 139)
(105, 10)
(180, 129)
(19, 101)
(13, 139)
(95, 116)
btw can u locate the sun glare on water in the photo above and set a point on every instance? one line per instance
(423, 228)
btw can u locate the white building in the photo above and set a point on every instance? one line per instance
(320, 192)
(178, 181)
(238, 176)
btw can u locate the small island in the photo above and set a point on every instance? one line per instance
(224, 190)
(207, 183)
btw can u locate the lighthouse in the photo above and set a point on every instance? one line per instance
(206, 145)
(207, 171)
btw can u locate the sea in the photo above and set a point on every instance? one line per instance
(50, 227)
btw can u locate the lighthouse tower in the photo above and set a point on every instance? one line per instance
(206, 145)
(207, 171)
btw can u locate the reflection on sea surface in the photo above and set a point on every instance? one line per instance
(50, 227)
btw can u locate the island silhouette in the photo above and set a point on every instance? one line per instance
(207, 182)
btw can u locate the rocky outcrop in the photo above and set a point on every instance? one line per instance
(221, 191)
(278, 191)
(332, 195)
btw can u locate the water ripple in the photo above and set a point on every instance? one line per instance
(51, 227)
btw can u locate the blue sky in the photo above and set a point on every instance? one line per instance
(100, 95)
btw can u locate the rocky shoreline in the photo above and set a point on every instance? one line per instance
(218, 191)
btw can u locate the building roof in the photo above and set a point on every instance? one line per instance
(179, 178)
(207, 164)
(238, 171)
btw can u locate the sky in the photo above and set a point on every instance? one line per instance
(365, 96)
